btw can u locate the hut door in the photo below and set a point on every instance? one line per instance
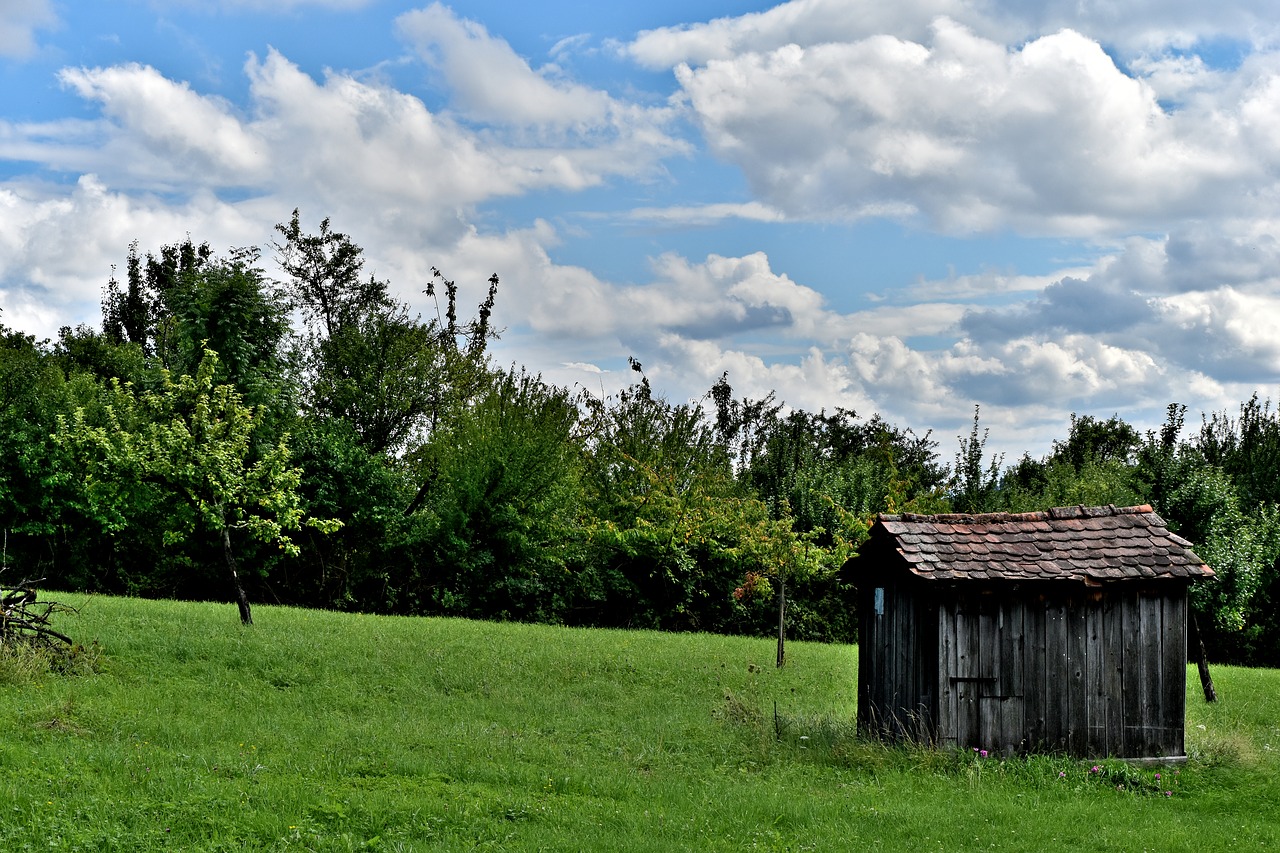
(983, 689)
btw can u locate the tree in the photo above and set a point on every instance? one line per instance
(32, 391)
(144, 312)
(386, 374)
(1247, 448)
(127, 315)
(325, 280)
(365, 357)
(974, 487)
(190, 439)
(500, 505)
(226, 305)
(1093, 440)
(1240, 546)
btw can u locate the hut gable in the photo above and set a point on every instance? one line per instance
(1060, 631)
(1089, 544)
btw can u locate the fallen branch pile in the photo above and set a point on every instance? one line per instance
(25, 621)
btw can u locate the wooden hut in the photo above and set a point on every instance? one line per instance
(1059, 631)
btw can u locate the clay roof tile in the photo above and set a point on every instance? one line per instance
(1081, 543)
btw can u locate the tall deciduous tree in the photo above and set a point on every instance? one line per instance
(31, 393)
(500, 504)
(368, 360)
(975, 484)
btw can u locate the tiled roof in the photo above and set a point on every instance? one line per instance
(1090, 544)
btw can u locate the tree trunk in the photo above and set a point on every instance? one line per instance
(242, 600)
(782, 622)
(1202, 663)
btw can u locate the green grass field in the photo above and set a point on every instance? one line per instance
(326, 731)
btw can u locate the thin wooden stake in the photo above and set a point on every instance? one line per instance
(1202, 663)
(782, 622)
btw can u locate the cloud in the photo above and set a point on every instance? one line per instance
(1049, 138)
(19, 21)
(1142, 28)
(489, 81)
(706, 214)
(165, 130)
(313, 143)
(1226, 334)
(719, 298)
(1089, 306)
(58, 248)
(801, 22)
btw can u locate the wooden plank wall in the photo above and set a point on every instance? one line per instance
(1090, 673)
(897, 664)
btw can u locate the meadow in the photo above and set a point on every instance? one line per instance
(325, 731)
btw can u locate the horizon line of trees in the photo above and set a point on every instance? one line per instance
(309, 440)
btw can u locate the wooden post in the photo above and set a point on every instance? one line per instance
(782, 622)
(1202, 663)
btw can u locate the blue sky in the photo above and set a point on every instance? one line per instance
(909, 208)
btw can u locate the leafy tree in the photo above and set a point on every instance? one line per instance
(1241, 547)
(742, 425)
(974, 485)
(1247, 449)
(227, 305)
(366, 359)
(1031, 486)
(189, 441)
(83, 350)
(500, 504)
(32, 391)
(671, 532)
(144, 313)
(127, 314)
(386, 374)
(1158, 468)
(325, 276)
(1093, 440)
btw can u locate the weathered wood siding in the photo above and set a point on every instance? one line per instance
(1011, 669)
(897, 663)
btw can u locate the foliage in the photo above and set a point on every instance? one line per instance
(325, 280)
(498, 504)
(1031, 486)
(973, 485)
(1092, 440)
(1241, 548)
(672, 532)
(227, 306)
(32, 391)
(468, 490)
(187, 446)
(1246, 448)
(352, 567)
(146, 312)
(364, 358)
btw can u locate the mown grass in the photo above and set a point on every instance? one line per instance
(325, 731)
